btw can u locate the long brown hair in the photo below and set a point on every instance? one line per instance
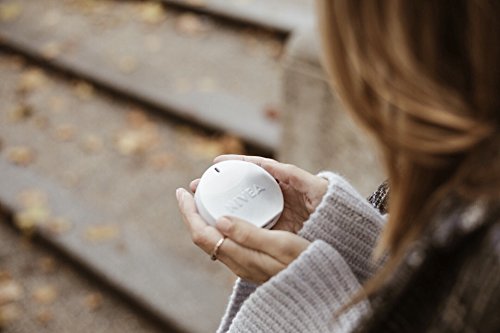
(423, 78)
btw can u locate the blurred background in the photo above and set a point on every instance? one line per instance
(107, 107)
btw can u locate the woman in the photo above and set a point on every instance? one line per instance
(422, 77)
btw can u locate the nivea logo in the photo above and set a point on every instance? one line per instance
(244, 197)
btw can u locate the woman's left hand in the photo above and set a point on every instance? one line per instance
(252, 253)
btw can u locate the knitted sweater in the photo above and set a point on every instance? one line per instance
(343, 230)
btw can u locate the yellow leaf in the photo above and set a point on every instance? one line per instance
(152, 12)
(46, 294)
(21, 155)
(10, 11)
(102, 233)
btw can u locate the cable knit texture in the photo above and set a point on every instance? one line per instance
(344, 229)
(449, 281)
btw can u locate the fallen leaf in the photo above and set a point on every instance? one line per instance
(45, 294)
(152, 12)
(34, 211)
(47, 264)
(27, 220)
(5, 275)
(232, 145)
(191, 25)
(57, 104)
(10, 291)
(31, 80)
(44, 316)
(83, 90)
(21, 155)
(9, 313)
(127, 64)
(21, 112)
(65, 132)
(160, 161)
(272, 113)
(91, 144)
(93, 301)
(10, 11)
(52, 50)
(137, 118)
(101, 233)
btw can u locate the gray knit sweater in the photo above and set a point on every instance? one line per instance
(343, 230)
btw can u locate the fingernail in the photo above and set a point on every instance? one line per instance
(224, 224)
(178, 193)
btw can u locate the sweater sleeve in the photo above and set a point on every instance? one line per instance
(349, 223)
(304, 296)
(362, 225)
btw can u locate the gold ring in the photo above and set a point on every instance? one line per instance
(213, 256)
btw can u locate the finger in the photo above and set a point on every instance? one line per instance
(247, 263)
(194, 185)
(276, 243)
(202, 234)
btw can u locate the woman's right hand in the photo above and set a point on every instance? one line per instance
(302, 191)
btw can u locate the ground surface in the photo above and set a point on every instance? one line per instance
(40, 293)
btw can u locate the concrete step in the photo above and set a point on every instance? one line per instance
(109, 173)
(220, 76)
(48, 295)
(280, 15)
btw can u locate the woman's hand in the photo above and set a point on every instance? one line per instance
(302, 191)
(252, 253)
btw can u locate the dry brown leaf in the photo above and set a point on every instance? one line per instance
(31, 80)
(232, 145)
(91, 144)
(191, 25)
(21, 155)
(52, 50)
(47, 264)
(160, 161)
(21, 112)
(57, 104)
(45, 294)
(10, 11)
(10, 291)
(4, 276)
(93, 301)
(44, 316)
(102, 233)
(272, 113)
(152, 12)
(65, 132)
(127, 64)
(9, 313)
(83, 90)
(137, 118)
